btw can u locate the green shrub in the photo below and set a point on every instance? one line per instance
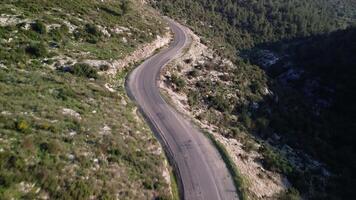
(178, 81)
(246, 119)
(219, 103)
(51, 147)
(63, 93)
(79, 190)
(92, 29)
(193, 98)
(36, 50)
(235, 132)
(274, 161)
(57, 34)
(248, 146)
(125, 6)
(90, 33)
(39, 27)
(84, 70)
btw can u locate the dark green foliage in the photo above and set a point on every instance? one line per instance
(79, 190)
(193, 98)
(232, 26)
(36, 50)
(219, 102)
(329, 135)
(89, 33)
(125, 6)
(84, 70)
(178, 81)
(92, 30)
(243, 24)
(274, 161)
(39, 27)
(57, 34)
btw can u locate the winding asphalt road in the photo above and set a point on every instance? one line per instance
(202, 174)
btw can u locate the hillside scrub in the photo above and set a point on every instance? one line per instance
(292, 128)
(64, 134)
(229, 25)
(84, 70)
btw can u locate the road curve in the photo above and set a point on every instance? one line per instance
(200, 169)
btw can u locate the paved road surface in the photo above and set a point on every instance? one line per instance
(201, 172)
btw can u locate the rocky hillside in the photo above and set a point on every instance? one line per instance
(197, 84)
(262, 119)
(67, 128)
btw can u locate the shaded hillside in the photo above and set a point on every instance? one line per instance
(316, 110)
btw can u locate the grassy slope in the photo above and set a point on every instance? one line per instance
(107, 152)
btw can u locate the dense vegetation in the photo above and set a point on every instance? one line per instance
(321, 101)
(63, 133)
(230, 24)
(261, 104)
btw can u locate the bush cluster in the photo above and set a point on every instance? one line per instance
(178, 81)
(84, 70)
(39, 27)
(36, 50)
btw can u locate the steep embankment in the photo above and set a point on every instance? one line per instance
(67, 128)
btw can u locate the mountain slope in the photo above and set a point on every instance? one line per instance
(242, 24)
(67, 129)
(255, 106)
(322, 96)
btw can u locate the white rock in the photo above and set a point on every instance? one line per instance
(108, 87)
(106, 130)
(71, 157)
(70, 112)
(73, 133)
(123, 102)
(5, 113)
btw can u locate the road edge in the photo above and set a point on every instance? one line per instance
(154, 128)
